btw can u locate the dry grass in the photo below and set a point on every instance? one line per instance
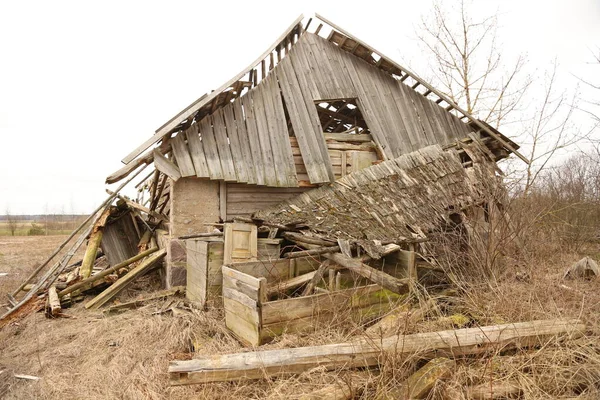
(126, 356)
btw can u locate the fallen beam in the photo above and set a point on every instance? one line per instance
(87, 283)
(400, 286)
(365, 353)
(124, 281)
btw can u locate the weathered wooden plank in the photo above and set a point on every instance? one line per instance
(244, 140)
(364, 353)
(307, 132)
(124, 281)
(182, 155)
(278, 133)
(239, 160)
(197, 152)
(310, 94)
(209, 145)
(253, 138)
(305, 306)
(164, 165)
(197, 271)
(259, 107)
(225, 155)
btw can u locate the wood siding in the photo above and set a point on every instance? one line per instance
(243, 200)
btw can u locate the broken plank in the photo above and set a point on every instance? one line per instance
(124, 281)
(182, 155)
(164, 165)
(365, 353)
(419, 384)
(85, 284)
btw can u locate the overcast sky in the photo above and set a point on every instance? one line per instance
(82, 83)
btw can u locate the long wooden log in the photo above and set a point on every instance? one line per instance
(365, 353)
(84, 223)
(384, 280)
(313, 252)
(84, 284)
(201, 235)
(124, 281)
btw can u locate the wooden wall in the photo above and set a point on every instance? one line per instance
(243, 200)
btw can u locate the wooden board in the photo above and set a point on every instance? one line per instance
(239, 160)
(240, 242)
(197, 152)
(211, 152)
(182, 155)
(197, 271)
(225, 156)
(244, 141)
(253, 139)
(164, 165)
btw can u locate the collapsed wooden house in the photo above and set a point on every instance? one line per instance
(322, 145)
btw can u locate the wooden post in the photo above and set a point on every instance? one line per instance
(412, 268)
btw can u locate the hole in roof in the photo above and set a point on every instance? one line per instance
(341, 116)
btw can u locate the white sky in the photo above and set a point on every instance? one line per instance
(82, 83)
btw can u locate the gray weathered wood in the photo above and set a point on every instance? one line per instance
(182, 155)
(364, 353)
(164, 165)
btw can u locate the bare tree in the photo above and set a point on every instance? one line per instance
(12, 222)
(469, 66)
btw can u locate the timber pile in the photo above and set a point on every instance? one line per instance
(120, 248)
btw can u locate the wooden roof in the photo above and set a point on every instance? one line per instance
(242, 124)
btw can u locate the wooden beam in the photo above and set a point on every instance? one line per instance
(93, 245)
(384, 280)
(139, 302)
(198, 104)
(166, 166)
(124, 281)
(313, 252)
(84, 284)
(365, 353)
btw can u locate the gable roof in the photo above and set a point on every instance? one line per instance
(249, 79)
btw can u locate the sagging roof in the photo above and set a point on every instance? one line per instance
(238, 132)
(399, 200)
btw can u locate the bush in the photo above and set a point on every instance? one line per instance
(35, 230)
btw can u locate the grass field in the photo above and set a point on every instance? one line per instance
(46, 226)
(89, 355)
